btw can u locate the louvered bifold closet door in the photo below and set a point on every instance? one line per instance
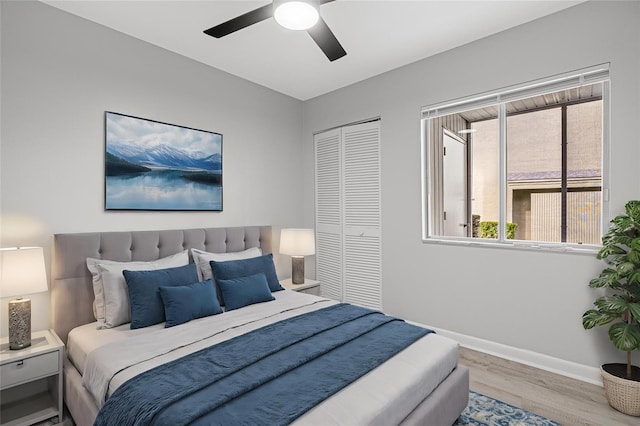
(361, 201)
(329, 213)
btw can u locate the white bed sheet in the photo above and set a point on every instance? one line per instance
(386, 395)
(86, 338)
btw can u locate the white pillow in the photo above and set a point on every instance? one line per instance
(111, 304)
(202, 259)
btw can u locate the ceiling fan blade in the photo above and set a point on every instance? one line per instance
(240, 22)
(325, 1)
(326, 40)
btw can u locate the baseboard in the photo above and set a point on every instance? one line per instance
(559, 366)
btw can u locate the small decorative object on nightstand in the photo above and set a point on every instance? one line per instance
(297, 243)
(31, 380)
(309, 286)
(22, 273)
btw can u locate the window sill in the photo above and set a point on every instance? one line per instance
(590, 250)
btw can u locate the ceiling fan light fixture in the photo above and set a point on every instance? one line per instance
(296, 15)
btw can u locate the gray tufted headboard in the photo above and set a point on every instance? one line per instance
(72, 288)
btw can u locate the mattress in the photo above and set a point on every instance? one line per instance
(386, 395)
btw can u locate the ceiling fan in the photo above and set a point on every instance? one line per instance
(291, 14)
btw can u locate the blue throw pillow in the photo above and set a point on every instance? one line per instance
(245, 291)
(185, 303)
(144, 297)
(232, 269)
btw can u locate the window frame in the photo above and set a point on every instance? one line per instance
(499, 98)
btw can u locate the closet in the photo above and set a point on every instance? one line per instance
(348, 213)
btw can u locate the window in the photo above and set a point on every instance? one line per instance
(522, 165)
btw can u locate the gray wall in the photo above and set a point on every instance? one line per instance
(525, 299)
(60, 73)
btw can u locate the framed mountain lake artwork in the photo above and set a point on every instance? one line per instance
(150, 165)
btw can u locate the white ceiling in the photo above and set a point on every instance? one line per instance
(377, 35)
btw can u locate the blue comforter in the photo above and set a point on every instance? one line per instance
(269, 376)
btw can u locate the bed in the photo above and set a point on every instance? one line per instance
(422, 384)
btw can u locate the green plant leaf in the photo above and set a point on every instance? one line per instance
(625, 268)
(624, 336)
(621, 222)
(612, 304)
(634, 308)
(592, 318)
(634, 290)
(613, 245)
(634, 256)
(618, 231)
(621, 251)
(632, 230)
(634, 278)
(633, 210)
(608, 278)
(614, 249)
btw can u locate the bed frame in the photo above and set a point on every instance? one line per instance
(72, 301)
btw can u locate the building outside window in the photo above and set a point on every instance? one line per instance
(521, 165)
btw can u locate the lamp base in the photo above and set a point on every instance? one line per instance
(19, 323)
(297, 269)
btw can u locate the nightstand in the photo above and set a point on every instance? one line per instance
(31, 380)
(309, 286)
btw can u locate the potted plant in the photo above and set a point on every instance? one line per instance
(620, 306)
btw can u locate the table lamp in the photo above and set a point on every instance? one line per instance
(22, 272)
(298, 243)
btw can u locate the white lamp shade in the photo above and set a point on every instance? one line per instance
(297, 242)
(22, 271)
(296, 15)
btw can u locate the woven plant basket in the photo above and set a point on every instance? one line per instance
(622, 394)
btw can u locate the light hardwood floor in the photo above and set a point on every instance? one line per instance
(565, 400)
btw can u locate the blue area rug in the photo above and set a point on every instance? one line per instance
(485, 411)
